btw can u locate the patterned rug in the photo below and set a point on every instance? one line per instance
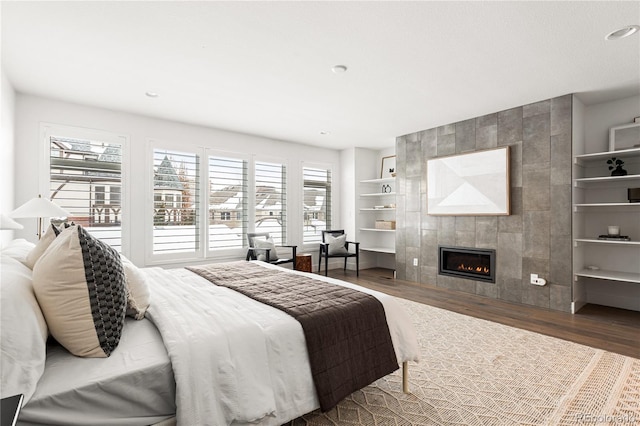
(477, 372)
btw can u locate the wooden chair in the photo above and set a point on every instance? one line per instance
(254, 252)
(324, 251)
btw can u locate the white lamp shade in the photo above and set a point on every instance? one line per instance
(7, 223)
(39, 207)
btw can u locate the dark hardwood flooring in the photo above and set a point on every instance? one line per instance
(611, 329)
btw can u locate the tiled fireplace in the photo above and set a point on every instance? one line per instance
(471, 263)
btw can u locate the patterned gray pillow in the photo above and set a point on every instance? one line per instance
(80, 285)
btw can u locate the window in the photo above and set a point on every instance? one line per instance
(227, 200)
(114, 195)
(175, 226)
(79, 172)
(316, 203)
(271, 200)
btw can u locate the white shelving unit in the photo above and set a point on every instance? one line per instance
(601, 200)
(376, 205)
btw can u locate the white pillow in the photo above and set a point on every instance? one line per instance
(18, 249)
(336, 244)
(23, 331)
(137, 289)
(80, 285)
(265, 244)
(50, 234)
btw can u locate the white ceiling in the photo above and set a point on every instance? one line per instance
(264, 68)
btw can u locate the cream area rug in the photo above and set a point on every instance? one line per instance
(477, 372)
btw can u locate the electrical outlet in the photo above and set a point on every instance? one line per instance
(415, 261)
(535, 280)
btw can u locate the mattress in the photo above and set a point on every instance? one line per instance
(134, 386)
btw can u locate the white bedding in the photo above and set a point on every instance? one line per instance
(134, 386)
(237, 361)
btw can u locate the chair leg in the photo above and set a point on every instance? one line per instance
(345, 264)
(357, 265)
(326, 265)
(319, 262)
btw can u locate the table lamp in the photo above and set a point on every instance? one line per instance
(39, 207)
(7, 223)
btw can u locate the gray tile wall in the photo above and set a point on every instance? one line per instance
(535, 238)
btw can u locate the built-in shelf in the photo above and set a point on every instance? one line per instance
(379, 249)
(624, 153)
(377, 194)
(627, 204)
(596, 241)
(380, 180)
(610, 275)
(374, 240)
(581, 181)
(377, 230)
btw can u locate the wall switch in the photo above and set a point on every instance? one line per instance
(415, 261)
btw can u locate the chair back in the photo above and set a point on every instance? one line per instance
(333, 232)
(252, 235)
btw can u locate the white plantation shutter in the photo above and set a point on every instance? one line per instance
(271, 200)
(85, 178)
(316, 203)
(227, 202)
(176, 202)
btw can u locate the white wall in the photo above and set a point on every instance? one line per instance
(7, 142)
(31, 111)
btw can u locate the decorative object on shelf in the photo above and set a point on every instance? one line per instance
(626, 136)
(613, 230)
(593, 268)
(386, 189)
(378, 207)
(616, 164)
(390, 206)
(388, 168)
(633, 194)
(385, 224)
(636, 120)
(614, 237)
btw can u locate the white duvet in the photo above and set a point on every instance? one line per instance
(237, 361)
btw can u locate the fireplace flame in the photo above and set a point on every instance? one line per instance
(478, 269)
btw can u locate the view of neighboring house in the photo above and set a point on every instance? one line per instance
(86, 179)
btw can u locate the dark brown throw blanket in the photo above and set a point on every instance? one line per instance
(347, 335)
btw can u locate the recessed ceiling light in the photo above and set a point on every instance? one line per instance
(339, 69)
(622, 32)
(152, 94)
(324, 132)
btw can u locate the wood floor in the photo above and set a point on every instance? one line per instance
(611, 329)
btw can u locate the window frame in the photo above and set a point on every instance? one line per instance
(152, 258)
(48, 130)
(313, 245)
(287, 182)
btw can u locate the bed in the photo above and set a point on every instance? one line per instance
(201, 354)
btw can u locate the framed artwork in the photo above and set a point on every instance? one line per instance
(474, 184)
(388, 168)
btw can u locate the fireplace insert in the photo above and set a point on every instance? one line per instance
(466, 262)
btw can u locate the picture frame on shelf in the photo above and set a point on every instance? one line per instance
(626, 136)
(388, 167)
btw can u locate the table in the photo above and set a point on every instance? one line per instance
(303, 262)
